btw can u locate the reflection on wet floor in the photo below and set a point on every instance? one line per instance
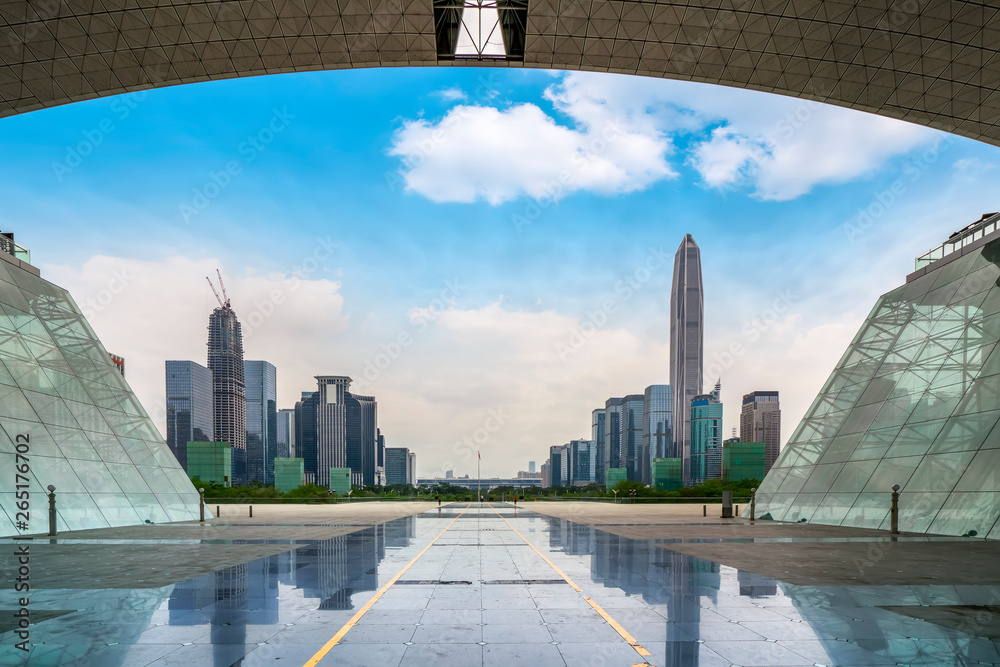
(480, 594)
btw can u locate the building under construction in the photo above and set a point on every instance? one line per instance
(225, 360)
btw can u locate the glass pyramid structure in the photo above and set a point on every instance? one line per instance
(915, 401)
(65, 407)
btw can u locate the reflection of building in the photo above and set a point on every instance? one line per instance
(756, 585)
(706, 438)
(657, 427)
(189, 406)
(225, 360)
(687, 341)
(760, 421)
(912, 402)
(260, 378)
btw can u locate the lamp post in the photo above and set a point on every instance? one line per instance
(52, 510)
(894, 511)
(201, 504)
(615, 491)
(753, 502)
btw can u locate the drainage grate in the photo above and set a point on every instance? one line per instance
(432, 582)
(524, 581)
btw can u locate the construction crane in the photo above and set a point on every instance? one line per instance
(224, 299)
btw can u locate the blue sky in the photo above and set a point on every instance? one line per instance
(389, 205)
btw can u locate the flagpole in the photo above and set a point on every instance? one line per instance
(479, 476)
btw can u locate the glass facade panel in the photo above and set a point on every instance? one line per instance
(59, 388)
(914, 401)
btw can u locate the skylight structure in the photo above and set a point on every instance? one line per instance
(480, 29)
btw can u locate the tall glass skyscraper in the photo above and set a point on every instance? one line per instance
(362, 437)
(630, 441)
(706, 437)
(262, 420)
(331, 425)
(189, 406)
(597, 435)
(286, 434)
(225, 360)
(687, 342)
(657, 427)
(612, 434)
(760, 421)
(306, 412)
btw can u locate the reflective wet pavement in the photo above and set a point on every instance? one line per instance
(491, 585)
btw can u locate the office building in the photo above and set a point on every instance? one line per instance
(581, 456)
(289, 473)
(558, 466)
(260, 378)
(225, 360)
(286, 434)
(760, 421)
(331, 425)
(211, 462)
(546, 474)
(657, 427)
(89, 435)
(612, 433)
(687, 342)
(667, 474)
(531, 466)
(361, 437)
(339, 480)
(912, 402)
(119, 363)
(615, 475)
(630, 441)
(189, 406)
(397, 462)
(306, 412)
(597, 434)
(411, 468)
(706, 438)
(743, 460)
(380, 465)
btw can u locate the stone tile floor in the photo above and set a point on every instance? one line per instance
(476, 593)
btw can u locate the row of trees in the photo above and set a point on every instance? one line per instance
(625, 489)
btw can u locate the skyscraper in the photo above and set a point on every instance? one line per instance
(286, 434)
(262, 420)
(225, 360)
(306, 411)
(597, 434)
(687, 341)
(397, 463)
(411, 468)
(760, 421)
(189, 406)
(582, 458)
(612, 435)
(706, 437)
(630, 442)
(657, 427)
(362, 437)
(331, 426)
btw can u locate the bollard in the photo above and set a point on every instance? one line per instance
(894, 511)
(216, 511)
(736, 510)
(52, 510)
(251, 511)
(727, 504)
(704, 510)
(753, 503)
(201, 504)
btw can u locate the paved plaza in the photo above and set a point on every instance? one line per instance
(589, 584)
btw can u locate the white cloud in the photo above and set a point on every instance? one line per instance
(621, 130)
(452, 94)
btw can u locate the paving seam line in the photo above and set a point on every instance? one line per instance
(639, 648)
(313, 661)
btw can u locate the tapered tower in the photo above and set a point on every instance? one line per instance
(229, 401)
(687, 343)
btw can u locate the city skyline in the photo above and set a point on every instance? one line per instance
(490, 299)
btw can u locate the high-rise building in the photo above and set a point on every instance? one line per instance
(306, 415)
(706, 438)
(657, 427)
(331, 426)
(546, 474)
(581, 456)
(397, 461)
(260, 378)
(612, 433)
(667, 474)
(119, 363)
(630, 442)
(760, 421)
(411, 468)
(531, 466)
(211, 462)
(286, 434)
(361, 437)
(189, 406)
(557, 465)
(743, 460)
(380, 465)
(225, 360)
(687, 341)
(597, 434)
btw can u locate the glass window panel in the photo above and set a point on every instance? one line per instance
(80, 512)
(895, 411)
(148, 508)
(987, 328)
(939, 295)
(41, 443)
(965, 432)
(51, 409)
(918, 287)
(980, 280)
(803, 507)
(116, 509)
(821, 479)
(853, 477)
(810, 452)
(878, 391)
(11, 295)
(29, 375)
(96, 477)
(939, 473)
(917, 511)
(58, 472)
(13, 405)
(869, 510)
(137, 450)
(874, 444)
(776, 506)
(11, 347)
(156, 479)
(774, 478)
(128, 478)
(4, 273)
(965, 512)
(180, 480)
(176, 507)
(5, 444)
(841, 448)
(937, 403)
(109, 448)
(794, 479)
(892, 471)
(89, 417)
(983, 394)
(983, 474)
(991, 304)
(953, 270)
(162, 456)
(834, 508)
(72, 443)
(860, 419)
(915, 439)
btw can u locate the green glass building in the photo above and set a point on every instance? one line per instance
(914, 401)
(340, 480)
(743, 460)
(668, 474)
(615, 475)
(66, 407)
(289, 473)
(210, 462)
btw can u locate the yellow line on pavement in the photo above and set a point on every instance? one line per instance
(368, 605)
(639, 648)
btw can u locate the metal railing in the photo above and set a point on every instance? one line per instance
(987, 225)
(8, 246)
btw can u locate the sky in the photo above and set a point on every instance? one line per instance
(487, 252)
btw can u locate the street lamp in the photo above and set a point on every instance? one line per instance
(615, 491)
